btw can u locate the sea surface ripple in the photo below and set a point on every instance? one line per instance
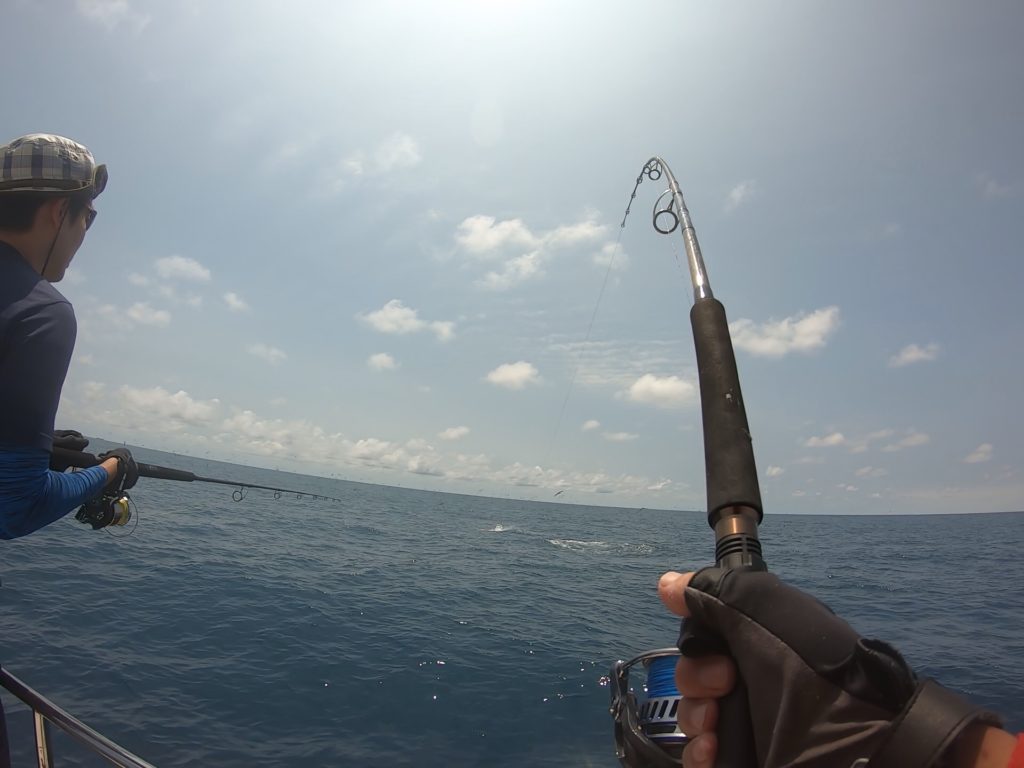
(402, 627)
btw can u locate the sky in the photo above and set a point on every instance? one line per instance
(381, 241)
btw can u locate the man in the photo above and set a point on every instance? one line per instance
(47, 187)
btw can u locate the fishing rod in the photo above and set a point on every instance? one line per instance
(646, 730)
(112, 506)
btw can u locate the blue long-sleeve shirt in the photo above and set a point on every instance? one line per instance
(37, 336)
(32, 495)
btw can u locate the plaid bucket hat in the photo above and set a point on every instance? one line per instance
(44, 162)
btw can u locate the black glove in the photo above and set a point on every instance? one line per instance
(69, 440)
(127, 469)
(820, 695)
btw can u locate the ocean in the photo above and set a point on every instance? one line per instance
(410, 628)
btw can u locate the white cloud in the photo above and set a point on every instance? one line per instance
(980, 454)
(182, 268)
(382, 361)
(152, 408)
(587, 231)
(138, 280)
(590, 424)
(486, 235)
(272, 355)
(992, 189)
(912, 353)
(396, 318)
(799, 333)
(443, 329)
(158, 412)
(143, 314)
(620, 437)
(522, 253)
(515, 271)
(235, 302)
(453, 433)
(871, 472)
(664, 392)
(810, 460)
(113, 13)
(860, 445)
(397, 151)
(828, 441)
(740, 194)
(514, 375)
(394, 153)
(912, 440)
(774, 471)
(611, 256)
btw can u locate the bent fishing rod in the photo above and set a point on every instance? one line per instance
(646, 731)
(112, 506)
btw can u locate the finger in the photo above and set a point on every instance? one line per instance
(700, 752)
(705, 677)
(671, 590)
(697, 716)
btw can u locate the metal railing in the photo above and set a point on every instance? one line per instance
(45, 711)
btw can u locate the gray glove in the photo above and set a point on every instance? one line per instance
(819, 695)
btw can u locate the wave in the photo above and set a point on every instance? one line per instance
(602, 547)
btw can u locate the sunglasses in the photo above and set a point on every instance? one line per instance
(90, 217)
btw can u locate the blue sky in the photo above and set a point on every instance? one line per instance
(380, 240)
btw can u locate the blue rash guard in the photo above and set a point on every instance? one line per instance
(37, 336)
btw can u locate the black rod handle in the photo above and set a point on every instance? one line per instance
(69, 458)
(728, 450)
(165, 473)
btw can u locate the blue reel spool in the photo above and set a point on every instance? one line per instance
(658, 710)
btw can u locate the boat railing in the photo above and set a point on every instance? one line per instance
(45, 712)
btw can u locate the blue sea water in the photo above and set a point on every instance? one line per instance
(400, 627)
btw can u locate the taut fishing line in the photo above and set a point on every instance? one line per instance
(652, 171)
(577, 357)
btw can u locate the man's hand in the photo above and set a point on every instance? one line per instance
(818, 693)
(127, 470)
(70, 440)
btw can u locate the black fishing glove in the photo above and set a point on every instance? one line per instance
(127, 469)
(819, 695)
(68, 440)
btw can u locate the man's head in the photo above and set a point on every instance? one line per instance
(47, 185)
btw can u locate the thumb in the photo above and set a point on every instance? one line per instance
(672, 591)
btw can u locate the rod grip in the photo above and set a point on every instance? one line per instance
(64, 457)
(728, 450)
(164, 473)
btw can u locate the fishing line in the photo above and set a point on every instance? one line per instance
(661, 212)
(590, 327)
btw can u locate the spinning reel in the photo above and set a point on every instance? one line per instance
(110, 508)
